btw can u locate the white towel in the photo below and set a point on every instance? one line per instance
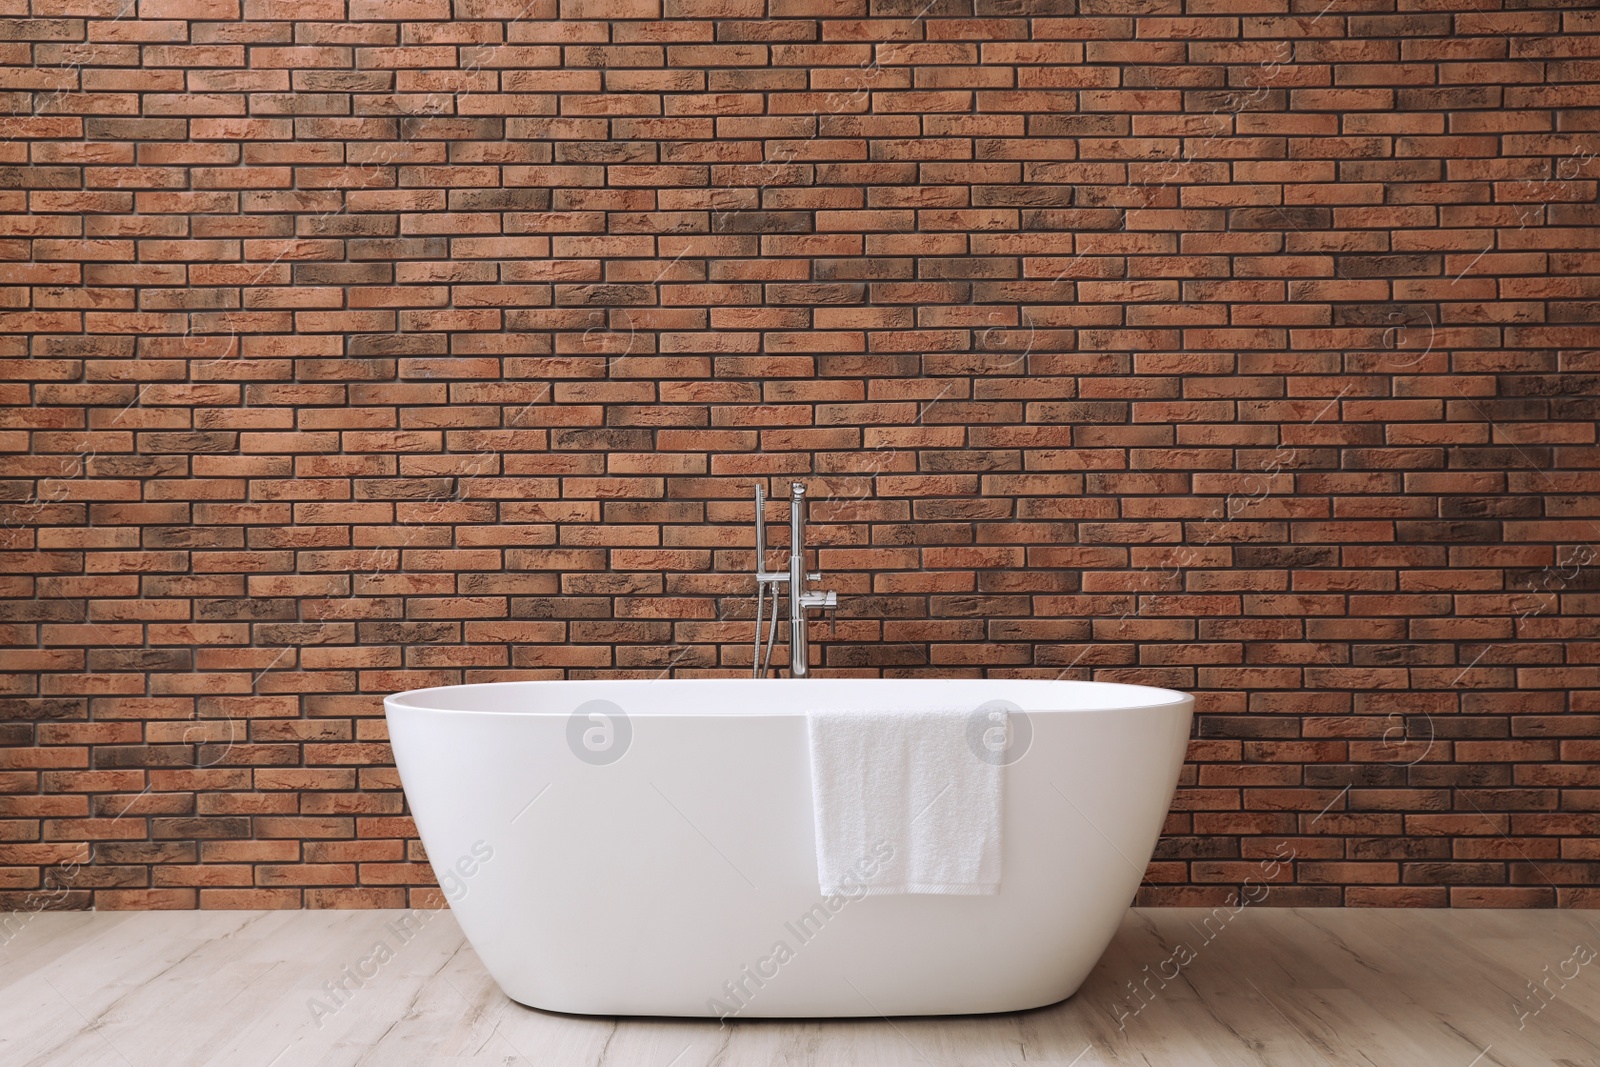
(904, 803)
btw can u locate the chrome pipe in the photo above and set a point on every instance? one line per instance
(799, 645)
(761, 587)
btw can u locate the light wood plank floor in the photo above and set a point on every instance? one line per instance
(1266, 987)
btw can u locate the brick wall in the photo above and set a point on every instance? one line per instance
(1243, 346)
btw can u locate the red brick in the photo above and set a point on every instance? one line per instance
(1290, 415)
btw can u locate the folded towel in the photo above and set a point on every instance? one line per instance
(904, 803)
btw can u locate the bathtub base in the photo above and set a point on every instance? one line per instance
(845, 1007)
(844, 1001)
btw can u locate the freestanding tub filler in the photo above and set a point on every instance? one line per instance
(647, 847)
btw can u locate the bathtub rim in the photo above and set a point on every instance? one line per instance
(408, 700)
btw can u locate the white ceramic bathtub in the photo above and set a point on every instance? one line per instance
(647, 847)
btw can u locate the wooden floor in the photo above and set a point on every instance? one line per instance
(1270, 986)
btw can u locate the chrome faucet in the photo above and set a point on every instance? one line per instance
(801, 599)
